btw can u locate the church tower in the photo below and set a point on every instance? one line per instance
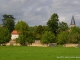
(72, 24)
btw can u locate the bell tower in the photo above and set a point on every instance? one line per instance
(72, 24)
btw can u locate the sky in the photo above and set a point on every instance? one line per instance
(38, 12)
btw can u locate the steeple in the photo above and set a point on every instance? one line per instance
(72, 24)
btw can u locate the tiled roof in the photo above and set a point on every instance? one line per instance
(14, 32)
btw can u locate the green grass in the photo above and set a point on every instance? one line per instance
(38, 53)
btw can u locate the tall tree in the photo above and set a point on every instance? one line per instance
(8, 22)
(5, 35)
(53, 23)
(21, 26)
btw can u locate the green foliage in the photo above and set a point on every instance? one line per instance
(30, 38)
(71, 36)
(53, 23)
(4, 35)
(62, 37)
(8, 22)
(38, 31)
(21, 26)
(74, 36)
(31, 28)
(25, 38)
(75, 29)
(48, 37)
(62, 26)
(46, 28)
(22, 39)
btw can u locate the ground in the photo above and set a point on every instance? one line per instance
(39, 53)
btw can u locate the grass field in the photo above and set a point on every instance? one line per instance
(38, 53)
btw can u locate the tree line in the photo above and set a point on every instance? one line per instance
(53, 32)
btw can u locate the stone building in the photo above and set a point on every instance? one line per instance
(72, 24)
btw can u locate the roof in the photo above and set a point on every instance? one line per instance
(72, 21)
(14, 32)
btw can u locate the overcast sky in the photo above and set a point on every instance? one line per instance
(38, 12)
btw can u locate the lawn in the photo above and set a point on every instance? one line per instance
(38, 53)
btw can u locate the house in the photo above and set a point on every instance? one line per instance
(14, 35)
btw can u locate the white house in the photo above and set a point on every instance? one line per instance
(14, 35)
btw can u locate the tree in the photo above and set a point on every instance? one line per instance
(75, 29)
(8, 22)
(63, 37)
(62, 26)
(74, 36)
(5, 35)
(53, 23)
(48, 37)
(71, 36)
(22, 39)
(21, 26)
(39, 31)
(30, 38)
(46, 28)
(25, 38)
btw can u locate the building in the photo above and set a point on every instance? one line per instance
(72, 24)
(14, 35)
(12, 42)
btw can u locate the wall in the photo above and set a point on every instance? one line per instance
(14, 36)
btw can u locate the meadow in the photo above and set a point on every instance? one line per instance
(38, 53)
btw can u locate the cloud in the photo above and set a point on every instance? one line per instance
(37, 12)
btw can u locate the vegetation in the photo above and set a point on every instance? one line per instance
(5, 36)
(48, 37)
(38, 31)
(38, 53)
(25, 36)
(63, 37)
(22, 39)
(30, 38)
(21, 26)
(8, 22)
(74, 35)
(53, 23)
(62, 26)
(69, 36)
(53, 32)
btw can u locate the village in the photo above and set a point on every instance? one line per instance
(39, 29)
(15, 34)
